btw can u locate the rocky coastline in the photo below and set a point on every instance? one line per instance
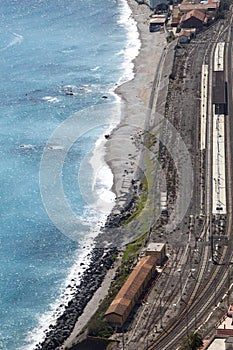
(101, 262)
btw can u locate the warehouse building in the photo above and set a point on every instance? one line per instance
(130, 292)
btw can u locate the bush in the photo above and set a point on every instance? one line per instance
(100, 328)
(193, 341)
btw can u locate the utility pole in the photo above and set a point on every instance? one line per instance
(180, 284)
(187, 315)
(161, 316)
(229, 284)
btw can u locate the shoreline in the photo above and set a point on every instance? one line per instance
(134, 95)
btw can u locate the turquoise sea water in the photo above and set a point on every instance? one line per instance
(48, 48)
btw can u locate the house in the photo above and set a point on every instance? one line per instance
(176, 16)
(193, 19)
(157, 21)
(186, 35)
(229, 343)
(225, 326)
(223, 339)
(127, 297)
(219, 343)
(208, 7)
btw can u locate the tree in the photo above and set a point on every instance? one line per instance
(100, 328)
(193, 341)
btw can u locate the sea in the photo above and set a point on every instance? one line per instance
(60, 61)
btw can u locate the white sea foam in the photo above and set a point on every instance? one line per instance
(26, 146)
(95, 68)
(16, 40)
(102, 174)
(50, 99)
(55, 147)
(102, 184)
(102, 177)
(75, 90)
(68, 51)
(66, 293)
(133, 42)
(73, 279)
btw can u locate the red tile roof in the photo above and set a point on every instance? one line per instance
(195, 13)
(132, 285)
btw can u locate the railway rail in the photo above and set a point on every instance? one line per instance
(201, 289)
(206, 293)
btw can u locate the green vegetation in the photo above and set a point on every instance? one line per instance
(150, 140)
(143, 200)
(170, 37)
(98, 326)
(193, 341)
(132, 249)
(140, 201)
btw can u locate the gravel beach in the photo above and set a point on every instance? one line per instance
(122, 153)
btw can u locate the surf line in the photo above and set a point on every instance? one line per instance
(17, 40)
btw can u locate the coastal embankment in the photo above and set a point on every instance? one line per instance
(123, 157)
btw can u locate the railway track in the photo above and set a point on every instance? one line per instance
(195, 312)
(206, 293)
(210, 279)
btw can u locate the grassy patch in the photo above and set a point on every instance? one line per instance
(140, 201)
(133, 248)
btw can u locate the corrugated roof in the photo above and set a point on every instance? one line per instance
(133, 283)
